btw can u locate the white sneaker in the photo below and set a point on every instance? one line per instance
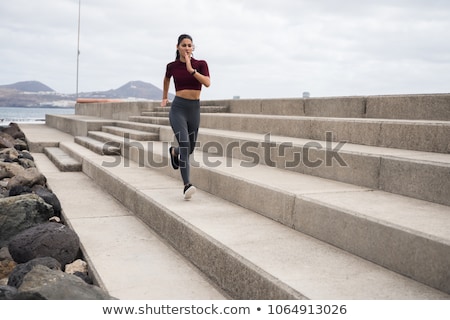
(189, 191)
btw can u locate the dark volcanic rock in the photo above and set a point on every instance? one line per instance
(20, 213)
(57, 285)
(49, 197)
(45, 240)
(16, 277)
(7, 292)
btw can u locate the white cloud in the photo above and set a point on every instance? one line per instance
(254, 48)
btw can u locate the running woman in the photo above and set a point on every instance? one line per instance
(189, 75)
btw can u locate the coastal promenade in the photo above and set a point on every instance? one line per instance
(318, 198)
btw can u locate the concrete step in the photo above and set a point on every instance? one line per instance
(150, 120)
(125, 256)
(62, 160)
(164, 111)
(430, 136)
(400, 233)
(138, 126)
(103, 148)
(416, 174)
(131, 133)
(106, 137)
(164, 114)
(251, 256)
(203, 109)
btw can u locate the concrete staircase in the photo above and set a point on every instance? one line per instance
(332, 198)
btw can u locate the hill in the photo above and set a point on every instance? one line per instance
(28, 86)
(130, 90)
(37, 94)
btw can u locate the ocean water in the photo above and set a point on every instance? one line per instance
(33, 115)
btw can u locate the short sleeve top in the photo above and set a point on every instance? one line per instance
(182, 79)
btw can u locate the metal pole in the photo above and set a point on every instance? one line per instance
(78, 45)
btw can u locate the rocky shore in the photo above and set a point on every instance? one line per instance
(40, 256)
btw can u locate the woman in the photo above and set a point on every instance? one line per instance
(189, 75)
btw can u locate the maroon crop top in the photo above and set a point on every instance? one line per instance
(182, 79)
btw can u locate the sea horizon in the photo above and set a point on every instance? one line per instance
(30, 114)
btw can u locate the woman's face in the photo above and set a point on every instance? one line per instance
(185, 46)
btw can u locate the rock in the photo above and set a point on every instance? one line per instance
(20, 144)
(10, 169)
(84, 276)
(26, 206)
(20, 213)
(7, 265)
(45, 240)
(18, 190)
(4, 254)
(49, 197)
(55, 219)
(21, 270)
(9, 154)
(28, 296)
(6, 141)
(58, 285)
(77, 266)
(25, 154)
(26, 163)
(14, 131)
(29, 177)
(6, 268)
(7, 292)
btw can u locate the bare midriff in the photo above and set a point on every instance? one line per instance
(189, 94)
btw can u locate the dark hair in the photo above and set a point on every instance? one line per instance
(181, 38)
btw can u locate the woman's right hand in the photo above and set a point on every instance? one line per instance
(164, 102)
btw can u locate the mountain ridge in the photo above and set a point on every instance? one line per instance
(37, 94)
(28, 86)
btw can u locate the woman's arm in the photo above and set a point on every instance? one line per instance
(204, 80)
(166, 84)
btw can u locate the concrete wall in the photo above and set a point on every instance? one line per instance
(114, 110)
(413, 107)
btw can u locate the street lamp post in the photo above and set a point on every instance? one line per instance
(78, 45)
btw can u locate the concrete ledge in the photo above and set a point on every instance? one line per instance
(418, 107)
(62, 160)
(267, 106)
(410, 173)
(114, 110)
(416, 179)
(102, 148)
(151, 120)
(379, 227)
(131, 133)
(343, 107)
(40, 136)
(138, 126)
(76, 125)
(430, 136)
(413, 107)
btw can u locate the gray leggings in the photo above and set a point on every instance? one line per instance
(184, 118)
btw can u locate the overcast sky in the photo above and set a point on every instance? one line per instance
(254, 48)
